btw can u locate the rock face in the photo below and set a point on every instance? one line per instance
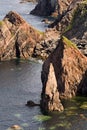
(72, 22)
(44, 7)
(47, 45)
(64, 75)
(17, 38)
(65, 13)
(77, 29)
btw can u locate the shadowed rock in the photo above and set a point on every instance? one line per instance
(44, 7)
(64, 75)
(30, 103)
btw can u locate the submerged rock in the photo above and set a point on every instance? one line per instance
(15, 127)
(30, 103)
(64, 75)
(17, 37)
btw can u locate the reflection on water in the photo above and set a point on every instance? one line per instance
(19, 82)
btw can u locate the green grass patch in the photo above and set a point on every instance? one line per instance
(52, 128)
(1, 23)
(65, 124)
(84, 105)
(68, 42)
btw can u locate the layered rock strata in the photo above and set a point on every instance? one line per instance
(17, 37)
(64, 75)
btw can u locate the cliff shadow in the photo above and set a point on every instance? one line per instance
(52, 66)
(82, 88)
(57, 65)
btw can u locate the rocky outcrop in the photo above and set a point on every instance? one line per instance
(23, 1)
(65, 13)
(77, 29)
(30, 103)
(47, 45)
(72, 22)
(44, 7)
(17, 38)
(64, 75)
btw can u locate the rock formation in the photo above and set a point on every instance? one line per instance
(15, 127)
(65, 13)
(44, 7)
(72, 22)
(17, 37)
(77, 29)
(64, 75)
(23, 1)
(30, 103)
(47, 45)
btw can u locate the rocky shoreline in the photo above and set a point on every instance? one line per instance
(41, 44)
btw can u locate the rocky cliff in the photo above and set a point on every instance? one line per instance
(44, 7)
(64, 75)
(76, 31)
(17, 38)
(47, 45)
(72, 22)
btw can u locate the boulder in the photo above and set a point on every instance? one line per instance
(64, 75)
(30, 103)
(17, 38)
(15, 127)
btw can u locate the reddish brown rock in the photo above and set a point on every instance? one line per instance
(64, 75)
(15, 127)
(17, 37)
(72, 22)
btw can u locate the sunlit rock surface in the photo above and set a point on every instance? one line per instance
(17, 37)
(64, 75)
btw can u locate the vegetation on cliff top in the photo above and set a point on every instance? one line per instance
(68, 42)
(1, 23)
